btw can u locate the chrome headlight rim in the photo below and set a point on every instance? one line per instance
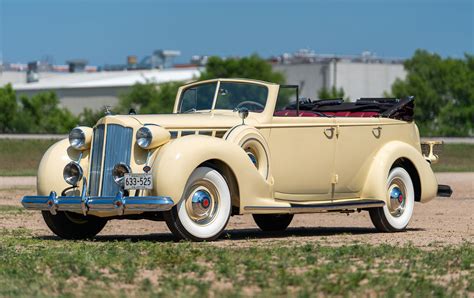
(118, 173)
(144, 137)
(77, 139)
(73, 179)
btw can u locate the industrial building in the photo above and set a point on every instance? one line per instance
(77, 91)
(359, 76)
(80, 86)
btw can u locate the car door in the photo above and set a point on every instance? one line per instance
(302, 157)
(358, 139)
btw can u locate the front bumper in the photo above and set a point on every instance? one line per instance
(83, 204)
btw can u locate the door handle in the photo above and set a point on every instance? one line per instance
(329, 132)
(377, 131)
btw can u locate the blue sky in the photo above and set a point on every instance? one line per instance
(105, 31)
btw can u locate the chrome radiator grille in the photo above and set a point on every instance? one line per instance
(118, 146)
(96, 160)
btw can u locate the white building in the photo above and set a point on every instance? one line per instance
(358, 76)
(95, 90)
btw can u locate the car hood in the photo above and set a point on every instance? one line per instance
(194, 120)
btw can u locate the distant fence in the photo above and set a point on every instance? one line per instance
(32, 137)
(447, 140)
(451, 140)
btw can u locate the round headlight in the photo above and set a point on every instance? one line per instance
(80, 138)
(119, 172)
(144, 137)
(72, 173)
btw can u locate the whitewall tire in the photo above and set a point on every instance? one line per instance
(205, 208)
(398, 210)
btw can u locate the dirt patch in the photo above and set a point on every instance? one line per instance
(437, 223)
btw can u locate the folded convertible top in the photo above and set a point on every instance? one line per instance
(395, 108)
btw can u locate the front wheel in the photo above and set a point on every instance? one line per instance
(204, 210)
(69, 225)
(396, 214)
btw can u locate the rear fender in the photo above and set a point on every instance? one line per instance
(375, 186)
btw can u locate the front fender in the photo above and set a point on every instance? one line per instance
(50, 170)
(177, 160)
(375, 186)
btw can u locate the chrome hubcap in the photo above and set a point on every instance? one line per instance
(202, 202)
(397, 194)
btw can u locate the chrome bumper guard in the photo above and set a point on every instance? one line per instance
(83, 204)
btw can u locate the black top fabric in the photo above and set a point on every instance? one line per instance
(401, 109)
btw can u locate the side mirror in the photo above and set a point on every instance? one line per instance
(243, 113)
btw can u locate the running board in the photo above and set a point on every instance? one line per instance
(299, 208)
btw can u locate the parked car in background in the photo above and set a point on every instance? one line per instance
(238, 146)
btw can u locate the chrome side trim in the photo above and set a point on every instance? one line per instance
(118, 148)
(298, 208)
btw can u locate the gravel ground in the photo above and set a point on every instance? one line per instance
(437, 223)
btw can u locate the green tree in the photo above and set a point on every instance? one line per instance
(89, 117)
(41, 114)
(9, 108)
(252, 67)
(444, 93)
(331, 93)
(149, 98)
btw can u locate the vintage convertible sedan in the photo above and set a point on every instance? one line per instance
(238, 146)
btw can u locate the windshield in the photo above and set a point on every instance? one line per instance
(230, 96)
(199, 97)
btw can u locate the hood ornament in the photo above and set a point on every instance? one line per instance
(107, 110)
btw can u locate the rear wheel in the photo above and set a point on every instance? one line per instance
(203, 212)
(273, 222)
(69, 225)
(396, 214)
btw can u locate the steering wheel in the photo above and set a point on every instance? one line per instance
(250, 102)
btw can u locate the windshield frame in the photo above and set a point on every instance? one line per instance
(216, 94)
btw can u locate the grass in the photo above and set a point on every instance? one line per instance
(456, 158)
(7, 209)
(22, 157)
(49, 267)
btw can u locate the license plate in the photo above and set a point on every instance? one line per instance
(138, 181)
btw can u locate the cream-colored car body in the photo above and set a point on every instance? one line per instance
(310, 160)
